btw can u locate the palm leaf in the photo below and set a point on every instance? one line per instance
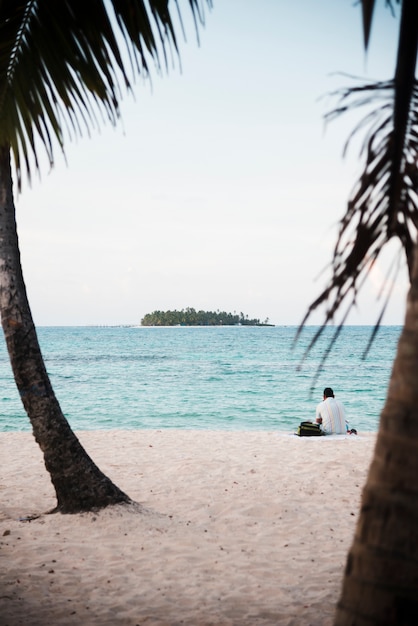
(62, 65)
(384, 203)
(367, 7)
(367, 10)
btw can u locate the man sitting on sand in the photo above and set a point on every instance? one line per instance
(330, 414)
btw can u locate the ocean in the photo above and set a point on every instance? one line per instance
(218, 378)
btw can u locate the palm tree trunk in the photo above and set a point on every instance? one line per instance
(381, 577)
(78, 482)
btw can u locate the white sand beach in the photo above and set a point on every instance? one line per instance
(234, 529)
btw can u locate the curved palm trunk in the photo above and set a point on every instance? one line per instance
(381, 578)
(78, 482)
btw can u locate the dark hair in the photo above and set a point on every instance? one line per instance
(328, 392)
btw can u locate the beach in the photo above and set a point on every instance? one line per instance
(227, 528)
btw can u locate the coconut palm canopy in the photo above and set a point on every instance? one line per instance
(384, 203)
(63, 65)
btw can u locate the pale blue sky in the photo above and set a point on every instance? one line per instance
(220, 188)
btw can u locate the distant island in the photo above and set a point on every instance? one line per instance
(191, 317)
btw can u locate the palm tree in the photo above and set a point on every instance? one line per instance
(61, 64)
(381, 574)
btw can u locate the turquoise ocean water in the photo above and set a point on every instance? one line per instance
(220, 378)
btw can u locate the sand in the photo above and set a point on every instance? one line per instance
(232, 529)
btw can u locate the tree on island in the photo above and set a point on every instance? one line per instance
(381, 574)
(61, 63)
(191, 317)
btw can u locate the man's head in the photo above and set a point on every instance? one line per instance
(328, 392)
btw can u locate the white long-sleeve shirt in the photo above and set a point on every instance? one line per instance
(333, 417)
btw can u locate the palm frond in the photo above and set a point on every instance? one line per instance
(367, 7)
(64, 65)
(367, 14)
(384, 203)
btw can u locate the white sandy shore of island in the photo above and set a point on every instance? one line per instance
(235, 529)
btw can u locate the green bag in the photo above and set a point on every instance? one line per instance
(308, 429)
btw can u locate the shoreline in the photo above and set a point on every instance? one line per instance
(234, 528)
(270, 431)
